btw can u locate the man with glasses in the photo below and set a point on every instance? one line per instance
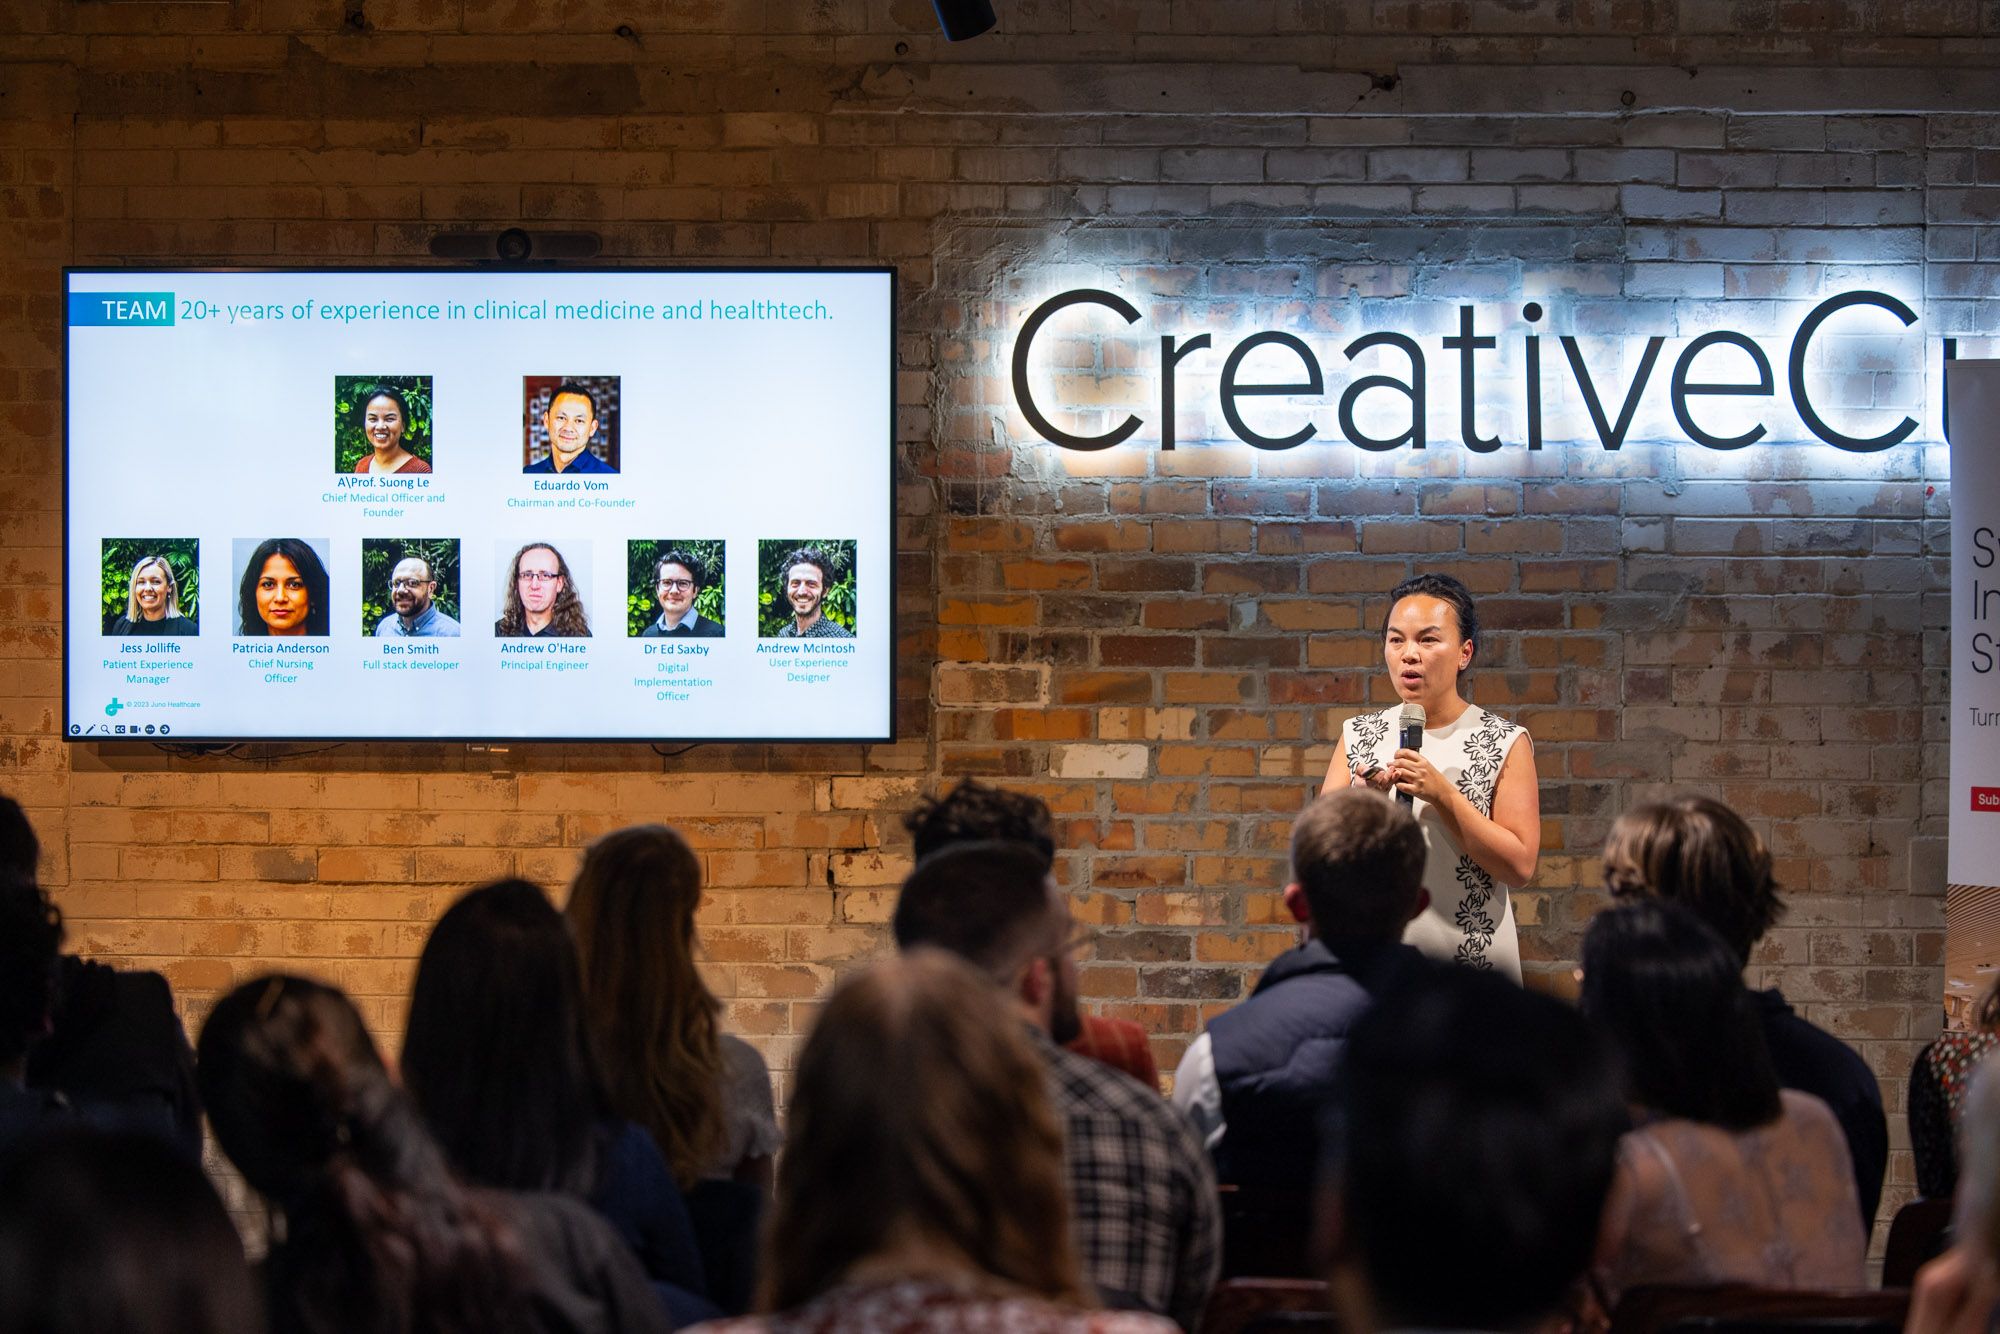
(413, 595)
(1146, 1222)
(680, 579)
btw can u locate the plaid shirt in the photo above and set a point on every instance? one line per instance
(1143, 1204)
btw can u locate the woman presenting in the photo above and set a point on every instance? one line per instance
(1474, 788)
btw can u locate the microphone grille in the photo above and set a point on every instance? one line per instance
(1413, 714)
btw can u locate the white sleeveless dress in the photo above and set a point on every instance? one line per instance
(1470, 918)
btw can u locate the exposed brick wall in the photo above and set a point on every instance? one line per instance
(1163, 645)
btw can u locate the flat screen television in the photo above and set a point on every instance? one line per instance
(479, 505)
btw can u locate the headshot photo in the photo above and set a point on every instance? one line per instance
(282, 587)
(382, 424)
(572, 423)
(805, 588)
(674, 588)
(543, 595)
(409, 587)
(151, 586)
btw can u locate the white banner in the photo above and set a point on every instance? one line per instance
(1973, 391)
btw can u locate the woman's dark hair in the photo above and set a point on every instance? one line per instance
(374, 1232)
(497, 1054)
(632, 907)
(1670, 994)
(117, 1232)
(1446, 588)
(319, 616)
(389, 392)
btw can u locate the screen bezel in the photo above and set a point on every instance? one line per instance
(889, 737)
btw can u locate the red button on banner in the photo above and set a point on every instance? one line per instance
(1986, 799)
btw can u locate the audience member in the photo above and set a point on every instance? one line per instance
(1257, 1083)
(1726, 1179)
(1477, 1130)
(1700, 854)
(922, 1183)
(972, 812)
(117, 1233)
(499, 1061)
(114, 1042)
(1938, 1081)
(30, 937)
(1959, 1292)
(703, 1095)
(1142, 1194)
(371, 1230)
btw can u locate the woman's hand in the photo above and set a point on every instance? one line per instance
(1410, 772)
(1375, 780)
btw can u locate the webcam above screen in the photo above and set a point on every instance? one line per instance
(442, 504)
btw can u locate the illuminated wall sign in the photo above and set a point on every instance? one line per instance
(1611, 400)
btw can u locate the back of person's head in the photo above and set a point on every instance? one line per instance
(1670, 995)
(497, 1053)
(632, 909)
(20, 850)
(1476, 1120)
(1359, 858)
(919, 1115)
(376, 1233)
(1702, 855)
(989, 903)
(106, 1233)
(1977, 1208)
(30, 942)
(972, 812)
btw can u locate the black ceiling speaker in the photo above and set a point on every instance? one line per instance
(516, 245)
(961, 19)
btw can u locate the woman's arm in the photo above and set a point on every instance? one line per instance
(1505, 846)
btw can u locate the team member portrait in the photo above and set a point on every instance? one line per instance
(409, 588)
(572, 424)
(382, 424)
(282, 588)
(1471, 782)
(149, 586)
(806, 590)
(541, 598)
(676, 590)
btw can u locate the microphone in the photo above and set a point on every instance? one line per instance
(1410, 737)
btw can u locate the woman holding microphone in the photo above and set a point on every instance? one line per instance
(1472, 786)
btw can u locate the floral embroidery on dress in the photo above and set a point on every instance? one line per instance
(1485, 751)
(1369, 731)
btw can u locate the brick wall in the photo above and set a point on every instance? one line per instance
(1163, 645)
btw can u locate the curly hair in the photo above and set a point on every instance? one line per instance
(1700, 854)
(377, 1233)
(973, 812)
(565, 618)
(813, 556)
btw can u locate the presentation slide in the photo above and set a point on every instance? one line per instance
(479, 505)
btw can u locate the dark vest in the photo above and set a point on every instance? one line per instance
(1277, 1056)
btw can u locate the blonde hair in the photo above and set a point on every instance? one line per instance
(132, 612)
(920, 1110)
(632, 908)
